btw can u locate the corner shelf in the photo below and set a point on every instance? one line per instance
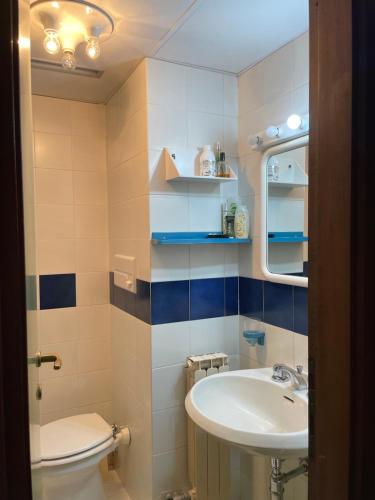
(183, 167)
(287, 237)
(291, 175)
(195, 239)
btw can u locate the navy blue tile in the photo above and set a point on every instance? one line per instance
(57, 291)
(300, 310)
(278, 305)
(143, 301)
(111, 288)
(206, 298)
(306, 268)
(169, 302)
(251, 298)
(231, 296)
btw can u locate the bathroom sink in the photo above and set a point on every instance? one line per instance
(248, 409)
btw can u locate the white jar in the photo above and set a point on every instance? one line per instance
(241, 222)
(207, 162)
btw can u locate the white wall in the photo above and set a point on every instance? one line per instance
(72, 237)
(129, 235)
(268, 93)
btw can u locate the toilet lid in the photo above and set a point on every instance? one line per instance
(73, 435)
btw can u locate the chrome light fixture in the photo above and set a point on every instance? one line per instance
(69, 24)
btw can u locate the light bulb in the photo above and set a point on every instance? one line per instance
(93, 48)
(51, 42)
(68, 60)
(273, 132)
(294, 122)
(55, 5)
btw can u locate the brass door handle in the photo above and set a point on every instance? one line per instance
(51, 357)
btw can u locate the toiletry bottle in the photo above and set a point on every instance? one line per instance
(223, 167)
(207, 162)
(230, 219)
(217, 152)
(241, 222)
(224, 213)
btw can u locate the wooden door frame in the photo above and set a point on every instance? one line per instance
(15, 480)
(341, 249)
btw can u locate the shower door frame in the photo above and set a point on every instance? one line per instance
(15, 475)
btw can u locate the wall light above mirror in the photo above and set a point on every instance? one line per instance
(284, 212)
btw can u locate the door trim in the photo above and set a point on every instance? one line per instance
(15, 475)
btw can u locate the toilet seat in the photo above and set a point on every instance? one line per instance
(74, 438)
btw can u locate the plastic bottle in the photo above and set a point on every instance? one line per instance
(207, 162)
(241, 222)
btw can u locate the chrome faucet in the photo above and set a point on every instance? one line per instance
(282, 373)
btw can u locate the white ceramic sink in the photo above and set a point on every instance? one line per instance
(247, 408)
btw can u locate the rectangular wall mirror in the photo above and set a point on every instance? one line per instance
(284, 246)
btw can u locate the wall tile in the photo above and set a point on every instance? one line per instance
(170, 471)
(56, 256)
(169, 429)
(142, 303)
(278, 305)
(57, 290)
(251, 297)
(169, 213)
(300, 310)
(94, 387)
(170, 344)
(205, 91)
(93, 355)
(209, 335)
(204, 128)
(166, 84)
(46, 107)
(301, 60)
(90, 221)
(170, 263)
(90, 188)
(68, 353)
(58, 325)
(230, 95)
(301, 350)
(166, 128)
(55, 221)
(88, 155)
(53, 151)
(54, 186)
(92, 255)
(231, 296)
(59, 394)
(204, 213)
(168, 387)
(206, 298)
(92, 288)
(207, 261)
(169, 302)
(93, 322)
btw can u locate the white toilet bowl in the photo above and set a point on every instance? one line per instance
(71, 449)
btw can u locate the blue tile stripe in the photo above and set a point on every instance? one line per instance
(281, 305)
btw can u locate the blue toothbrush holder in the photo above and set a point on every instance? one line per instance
(254, 337)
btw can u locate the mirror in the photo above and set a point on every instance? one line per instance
(284, 246)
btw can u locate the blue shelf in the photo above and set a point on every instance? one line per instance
(287, 237)
(194, 239)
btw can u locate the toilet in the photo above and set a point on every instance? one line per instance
(71, 449)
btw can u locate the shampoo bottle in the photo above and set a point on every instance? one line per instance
(207, 162)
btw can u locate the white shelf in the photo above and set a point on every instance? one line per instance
(183, 167)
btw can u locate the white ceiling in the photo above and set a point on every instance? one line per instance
(225, 35)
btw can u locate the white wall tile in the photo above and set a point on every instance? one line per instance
(88, 155)
(204, 213)
(170, 264)
(68, 353)
(205, 91)
(301, 60)
(51, 115)
(90, 221)
(92, 255)
(167, 128)
(56, 256)
(60, 394)
(94, 387)
(92, 288)
(170, 344)
(169, 213)
(278, 72)
(170, 471)
(251, 89)
(204, 128)
(93, 355)
(88, 120)
(207, 261)
(53, 150)
(230, 144)
(168, 429)
(93, 322)
(166, 84)
(55, 221)
(90, 188)
(168, 387)
(58, 325)
(54, 186)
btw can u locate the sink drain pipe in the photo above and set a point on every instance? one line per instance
(278, 478)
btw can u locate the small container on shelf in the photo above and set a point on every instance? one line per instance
(241, 222)
(207, 162)
(222, 167)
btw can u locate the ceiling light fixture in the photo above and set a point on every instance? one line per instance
(69, 24)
